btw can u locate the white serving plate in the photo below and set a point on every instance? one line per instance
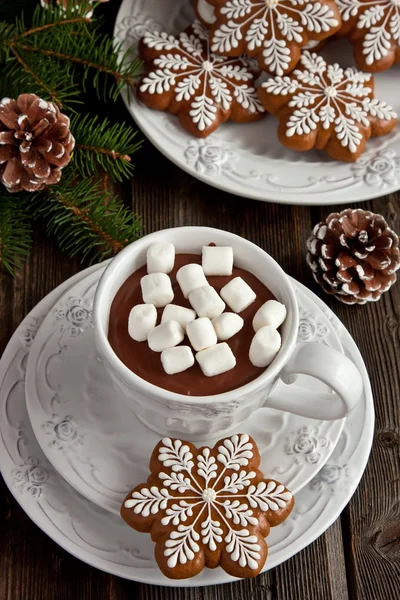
(247, 159)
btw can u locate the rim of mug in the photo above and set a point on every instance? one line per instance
(151, 389)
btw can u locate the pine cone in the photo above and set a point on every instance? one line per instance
(35, 143)
(354, 255)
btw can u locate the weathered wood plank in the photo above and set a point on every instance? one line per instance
(371, 522)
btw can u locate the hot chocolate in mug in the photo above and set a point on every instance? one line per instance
(204, 417)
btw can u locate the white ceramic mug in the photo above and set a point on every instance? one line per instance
(203, 417)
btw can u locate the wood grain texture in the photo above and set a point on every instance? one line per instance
(358, 558)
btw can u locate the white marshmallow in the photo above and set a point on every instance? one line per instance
(190, 277)
(238, 294)
(216, 360)
(166, 335)
(160, 258)
(270, 313)
(176, 360)
(264, 346)
(227, 325)
(142, 319)
(201, 333)
(206, 302)
(173, 312)
(157, 289)
(217, 260)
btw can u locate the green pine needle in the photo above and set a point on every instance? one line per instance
(48, 78)
(52, 14)
(7, 31)
(56, 54)
(15, 231)
(67, 36)
(85, 220)
(102, 146)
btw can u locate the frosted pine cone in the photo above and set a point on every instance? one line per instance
(35, 143)
(354, 255)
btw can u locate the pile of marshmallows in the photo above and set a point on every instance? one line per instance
(206, 326)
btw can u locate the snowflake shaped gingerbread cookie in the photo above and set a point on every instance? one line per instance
(373, 26)
(326, 107)
(208, 507)
(203, 89)
(274, 31)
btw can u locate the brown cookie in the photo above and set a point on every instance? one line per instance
(207, 507)
(202, 89)
(326, 107)
(373, 26)
(274, 31)
(205, 13)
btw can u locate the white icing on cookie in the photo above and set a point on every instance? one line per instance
(198, 76)
(381, 18)
(269, 25)
(329, 95)
(233, 500)
(206, 11)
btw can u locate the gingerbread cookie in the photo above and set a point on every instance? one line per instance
(326, 107)
(274, 31)
(205, 13)
(373, 26)
(207, 507)
(203, 89)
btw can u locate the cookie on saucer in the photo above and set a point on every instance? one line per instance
(373, 26)
(208, 507)
(326, 107)
(274, 31)
(201, 88)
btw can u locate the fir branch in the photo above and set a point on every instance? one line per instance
(102, 146)
(15, 231)
(54, 56)
(85, 220)
(57, 83)
(61, 35)
(7, 31)
(50, 17)
(52, 95)
(58, 23)
(87, 64)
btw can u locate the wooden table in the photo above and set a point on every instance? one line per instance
(358, 558)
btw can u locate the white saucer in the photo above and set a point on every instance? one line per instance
(100, 538)
(247, 159)
(101, 448)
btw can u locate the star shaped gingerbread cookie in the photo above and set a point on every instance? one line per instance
(326, 107)
(373, 26)
(202, 89)
(208, 507)
(274, 31)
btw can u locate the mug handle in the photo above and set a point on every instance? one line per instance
(329, 366)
